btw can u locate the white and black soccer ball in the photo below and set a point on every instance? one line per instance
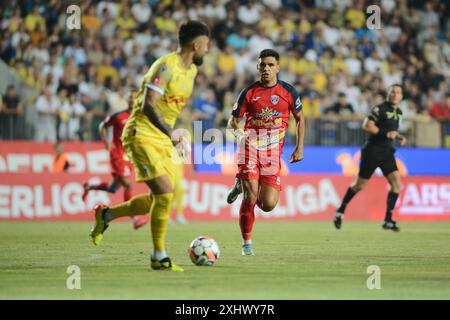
(204, 251)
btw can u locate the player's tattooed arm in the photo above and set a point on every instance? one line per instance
(297, 155)
(151, 96)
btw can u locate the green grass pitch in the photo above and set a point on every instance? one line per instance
(294, 260)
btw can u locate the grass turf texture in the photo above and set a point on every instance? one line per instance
(294, 260)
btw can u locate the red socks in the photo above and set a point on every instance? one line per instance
(246, 219)
(126, 195)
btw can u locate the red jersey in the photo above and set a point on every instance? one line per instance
(267, 111)
(440, 110)
(117, 121)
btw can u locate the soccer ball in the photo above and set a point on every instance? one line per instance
(204, 251)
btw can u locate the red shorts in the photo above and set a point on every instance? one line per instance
(120, 166)
(263, 166)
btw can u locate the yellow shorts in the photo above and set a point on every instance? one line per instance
(150, 160)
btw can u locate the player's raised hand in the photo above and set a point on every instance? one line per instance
(296, 156)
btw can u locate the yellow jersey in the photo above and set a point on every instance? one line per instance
(175, 83)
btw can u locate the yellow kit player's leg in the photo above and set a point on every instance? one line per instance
(178, 192)
(159, 221)
(99, 225)
(137, 205)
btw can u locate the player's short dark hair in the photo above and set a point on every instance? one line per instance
(269, 53)
(190, 30)
(394, 85)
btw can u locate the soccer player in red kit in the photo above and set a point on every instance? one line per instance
(267, 105)
(120, 165)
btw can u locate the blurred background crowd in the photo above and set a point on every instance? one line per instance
(58, 84)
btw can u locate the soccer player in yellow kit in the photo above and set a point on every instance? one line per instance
(147, 139)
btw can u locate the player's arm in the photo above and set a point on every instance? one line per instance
(102, 130)
(239, 109)
(297, 155)
(370, 126)
(151, 96)
(233, 125)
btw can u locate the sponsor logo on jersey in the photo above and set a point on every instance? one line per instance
(298, 103)
(393, 114)
(268, 114)
(251, 164)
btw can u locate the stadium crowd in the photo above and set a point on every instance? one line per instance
(339, 66)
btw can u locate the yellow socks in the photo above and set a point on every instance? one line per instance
(159, 206)
(178, 194)
(136, 206)
(160, 218)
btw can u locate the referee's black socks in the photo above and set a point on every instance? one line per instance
(347, 197)
(391, 200)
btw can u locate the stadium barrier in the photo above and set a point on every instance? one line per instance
(30, 191)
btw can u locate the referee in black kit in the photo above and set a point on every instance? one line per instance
(382, 125)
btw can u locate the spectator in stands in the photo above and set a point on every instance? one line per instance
(440, 111)
(34, 19)
(100, 109)
(341, 110)
(141, 12)
(10, 111)
(71, 116)
(249, 13)
(205, 110)
(226, 62)
(48, 107)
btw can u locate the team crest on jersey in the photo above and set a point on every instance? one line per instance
(274, 98)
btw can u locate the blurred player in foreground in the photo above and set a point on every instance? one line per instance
(382, 125)
(267, 105)
(147, 139)
(120, 165)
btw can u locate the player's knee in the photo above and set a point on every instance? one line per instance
(250, 196)
(140, 204)
(164, 200)
(267, 206)
(358, 186)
